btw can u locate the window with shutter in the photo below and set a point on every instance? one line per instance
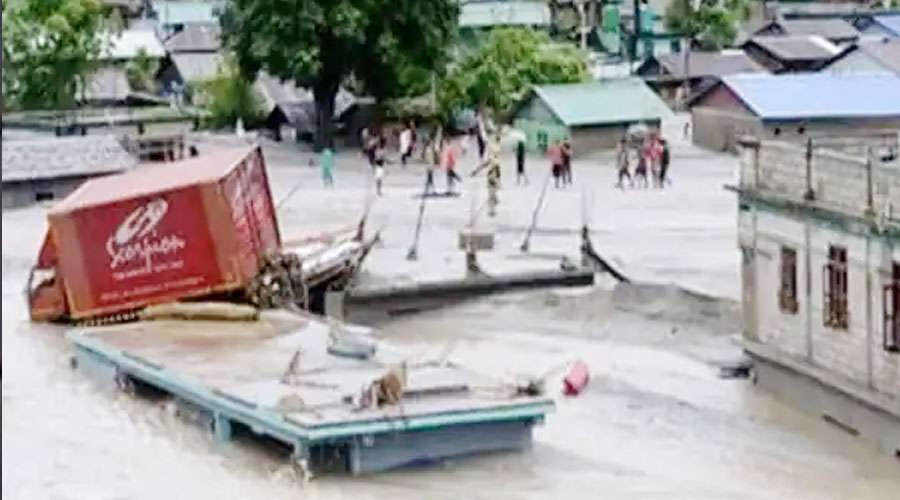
(787, 294)
(891, 308)
(834, 287)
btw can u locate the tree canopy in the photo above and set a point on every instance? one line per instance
(322, 43)
(499, 72)
(49, 46)
(712, 25)
(229, 97)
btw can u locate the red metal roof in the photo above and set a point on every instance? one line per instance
(153, 178)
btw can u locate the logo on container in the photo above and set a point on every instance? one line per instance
(136, 239)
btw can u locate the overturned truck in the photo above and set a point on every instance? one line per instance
(200, 228)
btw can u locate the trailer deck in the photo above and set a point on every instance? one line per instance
(231, 375)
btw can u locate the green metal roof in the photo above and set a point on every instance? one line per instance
(615, 100)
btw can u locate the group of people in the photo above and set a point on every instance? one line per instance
(440, 152)
(652, 158)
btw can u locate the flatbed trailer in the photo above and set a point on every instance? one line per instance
(230, 376)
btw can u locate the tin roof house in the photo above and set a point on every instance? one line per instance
(288, 105)
(870, 55)
(836, 31)
(194, 55)
(44, 169)
(666, 73)
(885, 24)
(592, 115)
(794, 107)
(791, 53)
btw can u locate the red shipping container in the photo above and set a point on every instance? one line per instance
(163, 232)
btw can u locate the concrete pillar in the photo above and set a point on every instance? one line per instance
(221, 427)
(334, 304)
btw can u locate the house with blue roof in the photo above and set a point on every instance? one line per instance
(887, 24)
(794, 107)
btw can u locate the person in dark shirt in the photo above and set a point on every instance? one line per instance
(567, 163)
(520, 163)
(664, 164)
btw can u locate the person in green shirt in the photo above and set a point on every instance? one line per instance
(327, 164)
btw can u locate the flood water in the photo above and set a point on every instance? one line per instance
(655, 422)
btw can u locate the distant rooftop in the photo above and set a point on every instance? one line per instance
(171, 13)
(831, 29)
(510, 13)
(49, 158)
(818, 95)
(195, 37)
(710, 63)
(616, 100)
(890, 24)
(128, 43)
(797, 47)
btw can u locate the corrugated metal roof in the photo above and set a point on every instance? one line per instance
(710, 63)
(290, 97)
(797, 48)
(832, 29)
(31, 159)
(195, 38)
(886, 53)
(512, 13)
(617, 100)
(889, 24)
(126, 44)
(174, 13)
(874, 55)
(198, 66)
(818, 95)
(107, 84)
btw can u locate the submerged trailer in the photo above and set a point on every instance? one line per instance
(274, 380)
(198, 228)
(156, 234)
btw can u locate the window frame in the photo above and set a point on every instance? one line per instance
(891, 311)
(835, 288)
(787, 292)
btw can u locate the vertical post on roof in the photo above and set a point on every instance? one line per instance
(810, 195)
(637, 31)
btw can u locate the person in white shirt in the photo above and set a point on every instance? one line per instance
(405, 144)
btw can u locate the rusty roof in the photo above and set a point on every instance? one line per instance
(153, 178)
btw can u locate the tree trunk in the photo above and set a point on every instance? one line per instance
(324, 94)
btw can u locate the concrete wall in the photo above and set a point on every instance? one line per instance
(822, 400)
(20, 194)
(720, 130)
(839, 181)
(586, 140)
(856, 354)
(855, 357)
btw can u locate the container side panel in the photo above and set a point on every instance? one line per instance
(218, 213)
(263, 207)
(141, 251)
(240, 220)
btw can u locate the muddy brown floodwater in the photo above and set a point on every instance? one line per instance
(655, 421)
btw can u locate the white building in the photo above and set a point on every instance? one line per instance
(819, 231)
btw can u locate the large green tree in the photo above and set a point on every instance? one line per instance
(322, 43)
(501, 70)
(709, 24)
(49, 47)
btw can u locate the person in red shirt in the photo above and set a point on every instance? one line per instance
(448, 158)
